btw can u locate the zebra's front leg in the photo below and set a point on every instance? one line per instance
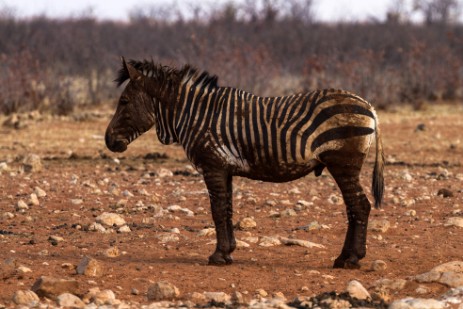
(219, 185)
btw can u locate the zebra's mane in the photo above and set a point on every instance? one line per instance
(168, 75)
(201, 79)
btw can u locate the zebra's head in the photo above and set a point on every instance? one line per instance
(135, 110)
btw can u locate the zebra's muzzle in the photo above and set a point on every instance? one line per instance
(116, 145)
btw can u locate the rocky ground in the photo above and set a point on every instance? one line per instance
(83, 227)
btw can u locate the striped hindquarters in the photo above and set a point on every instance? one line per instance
(339, 120)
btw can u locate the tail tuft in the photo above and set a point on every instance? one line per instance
(378, 177)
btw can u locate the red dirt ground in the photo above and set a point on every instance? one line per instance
(413, 244)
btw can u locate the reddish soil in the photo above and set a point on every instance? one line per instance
(413, 244)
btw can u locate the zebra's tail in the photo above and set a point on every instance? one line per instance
(378, 177)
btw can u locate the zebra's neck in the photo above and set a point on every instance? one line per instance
(192, 97)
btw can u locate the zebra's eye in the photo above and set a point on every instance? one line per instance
(123, 101)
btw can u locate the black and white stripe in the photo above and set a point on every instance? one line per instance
(227, 131)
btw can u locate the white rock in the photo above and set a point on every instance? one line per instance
(39, 192)
(21, 205)
(454, 296)
(335, 199)
(294, 190)
(8, 215)
(271, 203)
(121, 203)
(450, 274)
(162, 290)
(251, 239)
(4, 167)
(285, 202)
(241, 244)
(251, 200)
(124, 229)
(378, 265)
(279, 295)
(112, 252)
(207, 232)
(34, 200)
(335, 303)
(76, 201)
(381, 226)
(69, 300)
(247, 223)
(167, 237)
(451, 279)
(26, 298)
(89, 267)
(143, 192)
(454, 266)
(422, 290)
(127, 193)
(454, 221)
(54, 239)
(405, 175)
(237, 299)
(163, 172)
(357, 290)
(51, 287)
(140, 205)
(24, 270)
(219, 297)
(32, 163)
(261, 293)
(265, 303)
(417, 303)
(89, 296)
(390, 284)
(305, 204)
(97, 227)
(300, 242)
(110, 219)
(105, 297)
(158, 211)
(288, 213)
(269, 241)
(178, 208)
(197, 298)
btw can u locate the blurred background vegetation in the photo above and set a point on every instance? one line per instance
(269, 47)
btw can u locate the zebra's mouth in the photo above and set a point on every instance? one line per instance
(119, 145)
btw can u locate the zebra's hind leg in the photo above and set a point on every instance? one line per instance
(358, 207)
(219, 185)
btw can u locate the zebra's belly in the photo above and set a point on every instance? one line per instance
(281, 172)
(247, 166)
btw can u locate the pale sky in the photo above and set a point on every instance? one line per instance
(326, 10)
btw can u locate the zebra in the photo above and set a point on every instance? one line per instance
(228, 132)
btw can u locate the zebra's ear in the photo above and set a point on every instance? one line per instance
(133, 73)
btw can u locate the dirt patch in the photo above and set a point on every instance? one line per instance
(82, 180)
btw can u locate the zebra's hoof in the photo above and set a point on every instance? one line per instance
(349, 263)
(219, 259)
